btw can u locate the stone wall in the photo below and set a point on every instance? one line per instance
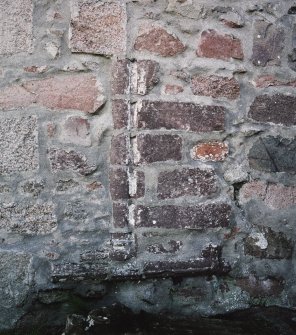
(148, 156)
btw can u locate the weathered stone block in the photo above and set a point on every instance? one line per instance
(186, 182)
(119, 149)
(180, 116)
(61, 160)
(76, 130)
(215, 86)
(15, 282)
(209, 263)
(256, 287)
(268, 244)
(98, 27)
(19, 145)
(120, 113)
(28, 218)
(120, 215)
(160, 42)
(16, 19)
(157, 148)
(273, 154)
(81, 92)
(176, 217)
(119, 184)
(144, 76)
(210, 151)
(275, 196)
(215, 45)
(267, 44)
(120, 83)
(278, 108)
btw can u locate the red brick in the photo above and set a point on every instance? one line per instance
(81, 92)
(278, 109)
(179, 116)
(120, 215)
(158, 248)
(186, 182)
(268, 43)
(215, 86)
(160, 42)
(209, 262)
(119, 150)
(119, 185)
(61, 160)
(175, 217)
(120, 113)
(123, 246)
(173, 89)
(210, 151)
(99, 28)
(144, 76)
(270, 80)
(157, 148)
(120, 83)
(215, 45)
(136, 184)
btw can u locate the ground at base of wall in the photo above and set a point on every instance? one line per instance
(119, 320)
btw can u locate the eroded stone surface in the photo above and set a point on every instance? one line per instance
(19, 146)
(16, 18)
(28, 218)
(160, 42)
(215, 45)
(98, 27)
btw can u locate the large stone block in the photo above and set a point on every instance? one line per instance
(18, 144)
(98, 27)
(15, 26)
(28, 218)
(179, 116)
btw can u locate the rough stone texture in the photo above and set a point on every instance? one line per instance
(121, 77)
(261, 287)
(186, 182)
(157, 148)
(175, 217)
(120, 215)
(210, 151)
(175, 194)
(16, 26)
(270, 80)
(15, 285)
(144, 76)
(61, 159)
(209, 263)
(28, 218)
(268, 244)
(98, 28)
(275, 196)
(273, 154)
(81, 92)
(120, 110)
(215, 86)
(278, 108)
(119, 150)
(179, 115)
(160, 42)
(119, 187)
(76, 130)
(268, 44)
(215, 45)
(19, 146)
